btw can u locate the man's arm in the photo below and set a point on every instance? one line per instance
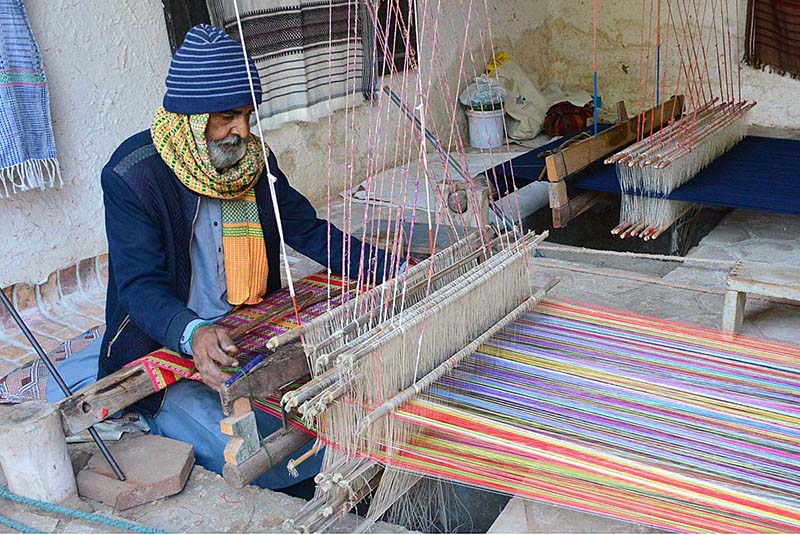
(308, 234)
(140, 265)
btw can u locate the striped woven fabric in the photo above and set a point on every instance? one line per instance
(166, 367)
(773, 35)
(632, 417)
(308, 54)
(27, 147)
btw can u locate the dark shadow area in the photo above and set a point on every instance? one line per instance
(592, 229)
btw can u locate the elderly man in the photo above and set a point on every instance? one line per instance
(192, 233)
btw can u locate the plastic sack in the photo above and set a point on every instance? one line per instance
(525, 104)
(485, 93)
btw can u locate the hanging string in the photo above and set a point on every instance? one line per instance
(596, 98)
(271, 179)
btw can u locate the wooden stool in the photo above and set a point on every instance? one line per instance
(769, 280)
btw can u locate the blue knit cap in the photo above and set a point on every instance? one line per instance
(208, 74)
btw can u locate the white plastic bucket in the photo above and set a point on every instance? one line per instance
(485, 128)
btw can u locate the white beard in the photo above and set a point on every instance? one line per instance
(226, 152)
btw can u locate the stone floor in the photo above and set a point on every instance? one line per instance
(70, 301)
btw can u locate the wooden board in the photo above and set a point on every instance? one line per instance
(125, 387)
(285, 366)
(576, 206)
(581, 154)
(765, 279)
(99, 401)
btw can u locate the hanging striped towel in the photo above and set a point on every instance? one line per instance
(308, 54)
(27, 150)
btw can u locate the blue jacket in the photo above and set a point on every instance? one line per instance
(149, 217)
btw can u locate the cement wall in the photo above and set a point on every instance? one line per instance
(104, 63)
(568, 32)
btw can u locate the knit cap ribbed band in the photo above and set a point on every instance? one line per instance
(208, 74)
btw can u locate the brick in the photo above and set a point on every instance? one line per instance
(50, 298)
(24, 298)
(68, 279)
(5, 317)
(87, 276)
(86, 305)
(154, 467)
(102, 268)
(17, 513)
(13, 353)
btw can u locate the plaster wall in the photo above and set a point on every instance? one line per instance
(568, 33)
(106, 62)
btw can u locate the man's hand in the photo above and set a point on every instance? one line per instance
(212, 347)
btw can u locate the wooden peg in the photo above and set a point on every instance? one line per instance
(242, 428)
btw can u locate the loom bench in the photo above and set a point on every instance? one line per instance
(769, 280)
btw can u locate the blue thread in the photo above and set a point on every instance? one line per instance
(18, 526)
(90, 517)
(658, 75)
(595, 102)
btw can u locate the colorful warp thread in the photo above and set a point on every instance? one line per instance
(636, 418)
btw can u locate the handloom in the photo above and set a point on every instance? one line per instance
(637, 418)
(410, 334)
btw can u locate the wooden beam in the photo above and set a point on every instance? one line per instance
(576, 206)
(286, 365)
(125, 387)
(110, 394)
(274, 450)
(581, 154)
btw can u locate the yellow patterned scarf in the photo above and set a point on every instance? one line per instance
(180, 140)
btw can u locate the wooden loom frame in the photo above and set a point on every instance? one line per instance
(575, 157)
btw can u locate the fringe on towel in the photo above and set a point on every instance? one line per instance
(31, 174)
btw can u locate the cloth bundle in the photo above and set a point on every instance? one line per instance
(773, 30)
(308, 54)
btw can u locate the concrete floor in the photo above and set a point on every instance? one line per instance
(209, 505)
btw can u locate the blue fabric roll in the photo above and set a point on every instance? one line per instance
(759, 173)
(208, 74)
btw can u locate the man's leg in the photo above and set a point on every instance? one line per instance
(191, 413)
(78, 371)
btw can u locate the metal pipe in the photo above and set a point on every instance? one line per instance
(59, 380)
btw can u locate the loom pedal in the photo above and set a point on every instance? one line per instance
(768, 280)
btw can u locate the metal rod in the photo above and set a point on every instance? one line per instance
(59, 380)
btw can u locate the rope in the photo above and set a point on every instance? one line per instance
(60, 509)
(18, 526)
(271, 178)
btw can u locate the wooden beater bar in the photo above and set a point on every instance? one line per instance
(581, 154)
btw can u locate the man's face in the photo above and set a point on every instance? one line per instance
(226, 136)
